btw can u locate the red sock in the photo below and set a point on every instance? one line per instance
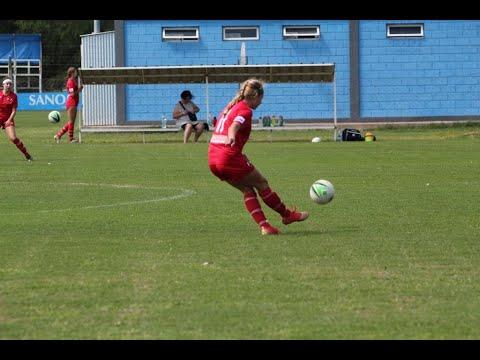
(63, 130)
(254, 208)
(70, 130)
(21, 147)
(273, 201)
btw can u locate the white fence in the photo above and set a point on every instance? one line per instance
(99, 101)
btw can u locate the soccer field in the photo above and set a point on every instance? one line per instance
(116, 239)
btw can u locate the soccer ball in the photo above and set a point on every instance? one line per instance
(322, 191)
(54, 117)
(316, 139)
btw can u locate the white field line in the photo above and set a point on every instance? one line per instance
(183, 194)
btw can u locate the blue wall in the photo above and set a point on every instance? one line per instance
(437, 75)
(144, 47)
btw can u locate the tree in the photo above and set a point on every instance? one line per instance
(60, 44)
(7, 27)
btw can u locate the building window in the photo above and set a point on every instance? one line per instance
(306, 32)
(404, 30)
(180, 34)
(240, 33)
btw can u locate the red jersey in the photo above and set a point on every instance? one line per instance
(7, 103)
(240, 113)
(72, 87)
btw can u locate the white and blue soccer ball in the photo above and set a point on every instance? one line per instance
(322, 191)
(54, 116)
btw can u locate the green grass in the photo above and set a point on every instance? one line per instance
(394, 256)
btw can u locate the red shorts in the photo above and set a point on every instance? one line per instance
(232, 169)
(2, 123)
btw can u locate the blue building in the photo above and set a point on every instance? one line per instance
(386, 70)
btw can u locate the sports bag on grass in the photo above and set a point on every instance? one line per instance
(351, 135)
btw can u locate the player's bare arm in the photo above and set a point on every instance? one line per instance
(12, 116)
(232, 132)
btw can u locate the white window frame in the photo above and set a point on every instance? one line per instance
(300, 36)
(166, 37)
(421, 35)
(241, 28)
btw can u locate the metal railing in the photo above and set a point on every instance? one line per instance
(26, 74)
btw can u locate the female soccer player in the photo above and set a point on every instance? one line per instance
(227, 162)
(8, 110)
(73, 99)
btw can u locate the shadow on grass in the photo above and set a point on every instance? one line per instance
(307, 232)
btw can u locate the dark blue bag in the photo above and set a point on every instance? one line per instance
(352, 135)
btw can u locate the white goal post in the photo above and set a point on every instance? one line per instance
(210, 74)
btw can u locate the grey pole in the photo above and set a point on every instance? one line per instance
(334, 107)
(96, 26)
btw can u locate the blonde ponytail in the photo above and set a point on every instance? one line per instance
(250, 88)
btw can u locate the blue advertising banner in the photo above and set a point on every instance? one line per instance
(43, 101)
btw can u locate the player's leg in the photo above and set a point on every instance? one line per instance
(188, 131)
(64, 129)
(12, 136)
(255, 209)
(256, 180)
(198, 131)
(72, 115)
